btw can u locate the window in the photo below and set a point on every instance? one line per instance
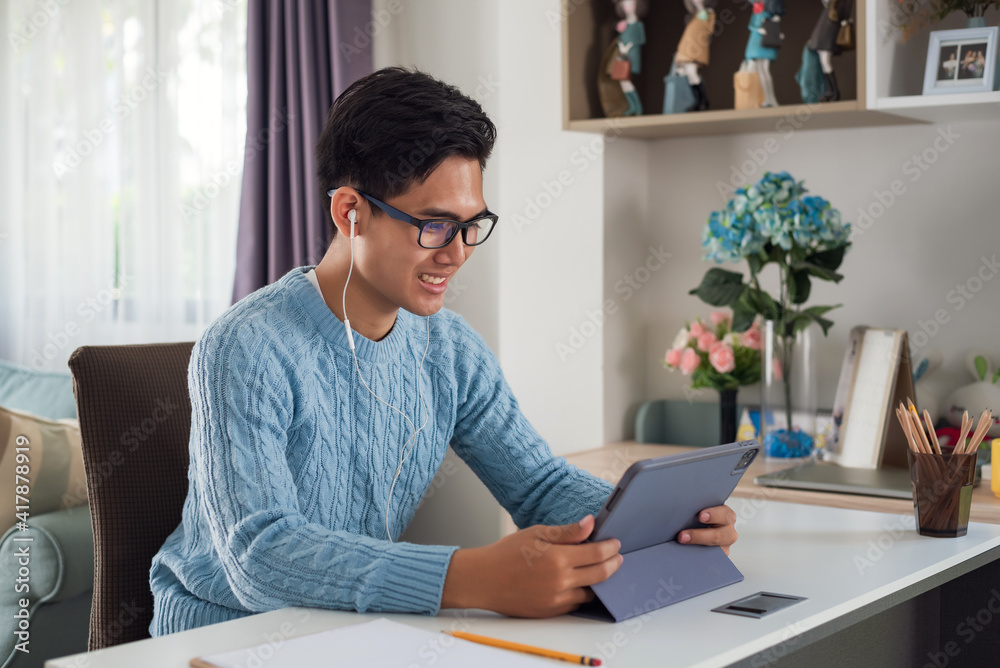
(119, 193)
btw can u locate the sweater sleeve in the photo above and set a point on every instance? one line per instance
(271, 555)
(495, 439)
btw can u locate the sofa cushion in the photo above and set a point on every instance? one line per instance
(47, 456)
(45, 393)
(59, 549)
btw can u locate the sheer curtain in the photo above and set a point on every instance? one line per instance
(123, 125)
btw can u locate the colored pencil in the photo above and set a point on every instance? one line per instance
(527, 649)
(930, 430)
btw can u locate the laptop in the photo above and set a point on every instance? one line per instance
(825, 477)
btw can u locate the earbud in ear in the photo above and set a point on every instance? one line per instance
(352, 216)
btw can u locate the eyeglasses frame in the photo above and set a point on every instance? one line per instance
(421, 223)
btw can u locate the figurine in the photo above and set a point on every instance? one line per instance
(762, 55)
(692, 51)
(824, 41)
(632, 35)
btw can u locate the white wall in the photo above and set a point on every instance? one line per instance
(535, 281)
(902, 270)
(629, 237)
(542, 273)
(551, 293)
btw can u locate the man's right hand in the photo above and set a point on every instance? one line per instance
(541, 571)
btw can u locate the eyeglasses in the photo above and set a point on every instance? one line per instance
(439, 232)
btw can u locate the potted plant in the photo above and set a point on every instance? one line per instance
(718, 358)
(775, 222)
(911, 16)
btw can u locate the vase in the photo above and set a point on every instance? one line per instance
(788, 393)
(727, 416)
(976, 22)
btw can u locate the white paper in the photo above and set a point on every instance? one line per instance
(375, 644)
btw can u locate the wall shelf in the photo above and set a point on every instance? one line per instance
(882, 79)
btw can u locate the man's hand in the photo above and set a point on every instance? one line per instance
(541, 571)
(721, 531)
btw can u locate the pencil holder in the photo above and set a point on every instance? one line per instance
(942, 492)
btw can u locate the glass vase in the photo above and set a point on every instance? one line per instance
(788, 393)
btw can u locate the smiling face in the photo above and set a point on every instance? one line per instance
(391, 269)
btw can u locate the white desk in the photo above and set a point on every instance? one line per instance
(824, 554)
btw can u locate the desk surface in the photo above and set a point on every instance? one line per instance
(846, 562)
(611, 461)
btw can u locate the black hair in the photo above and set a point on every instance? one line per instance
(390, 129)
(776, 7)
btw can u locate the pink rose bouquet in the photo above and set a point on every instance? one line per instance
(714, 355)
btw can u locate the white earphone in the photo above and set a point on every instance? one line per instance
(404, 454)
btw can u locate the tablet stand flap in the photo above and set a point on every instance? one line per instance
(658, 576)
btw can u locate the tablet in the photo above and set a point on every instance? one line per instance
(655, 500)
(658, 498)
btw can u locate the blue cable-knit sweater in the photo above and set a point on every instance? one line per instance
(291, 460)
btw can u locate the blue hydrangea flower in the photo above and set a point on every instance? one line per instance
(776, 211)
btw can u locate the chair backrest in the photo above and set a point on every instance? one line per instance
(678, 422)
(135, 420)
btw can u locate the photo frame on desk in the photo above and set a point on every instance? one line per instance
(880, 376)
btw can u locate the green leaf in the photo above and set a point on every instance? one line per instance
(756, 263)
(981, 367)
(762, 303)
(719, 287)
(996, 376)
(816, 270)
(743, 316)
(829, 259)
(799, 287)
(815, 314)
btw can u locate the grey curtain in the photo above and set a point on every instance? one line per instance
(301, 54)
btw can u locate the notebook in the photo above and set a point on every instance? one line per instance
(373, 644)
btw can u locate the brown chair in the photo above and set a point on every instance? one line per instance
(135, 419)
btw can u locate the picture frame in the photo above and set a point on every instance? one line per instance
(961, 61)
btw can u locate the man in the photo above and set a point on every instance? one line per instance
(312, 445)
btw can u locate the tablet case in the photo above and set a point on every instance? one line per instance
(657, 570)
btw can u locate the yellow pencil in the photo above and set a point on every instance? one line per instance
(527, 649)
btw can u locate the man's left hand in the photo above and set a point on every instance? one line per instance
(721, 530)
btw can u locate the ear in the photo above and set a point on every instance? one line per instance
(979, 365)
(343, 201)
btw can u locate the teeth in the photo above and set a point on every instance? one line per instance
(430, 279)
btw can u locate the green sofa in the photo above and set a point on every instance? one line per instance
(61, 550)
